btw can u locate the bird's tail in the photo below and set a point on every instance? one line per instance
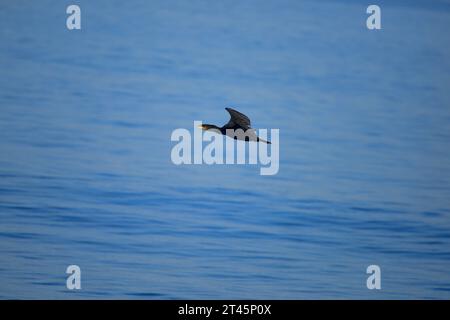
(262, 140)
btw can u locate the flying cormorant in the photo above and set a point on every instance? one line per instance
(237, 121)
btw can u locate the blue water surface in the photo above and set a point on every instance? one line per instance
(86, 176)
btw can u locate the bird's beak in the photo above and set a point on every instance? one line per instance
(200, 126)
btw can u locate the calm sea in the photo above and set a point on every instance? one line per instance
(86, 176)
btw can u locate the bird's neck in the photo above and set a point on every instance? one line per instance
(222, 129)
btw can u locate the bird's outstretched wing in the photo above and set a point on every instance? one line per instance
(237, 118)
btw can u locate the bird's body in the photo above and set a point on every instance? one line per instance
(237, 128)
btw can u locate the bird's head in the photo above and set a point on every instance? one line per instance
(208, 127)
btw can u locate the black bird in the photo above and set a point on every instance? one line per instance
(237, 121)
